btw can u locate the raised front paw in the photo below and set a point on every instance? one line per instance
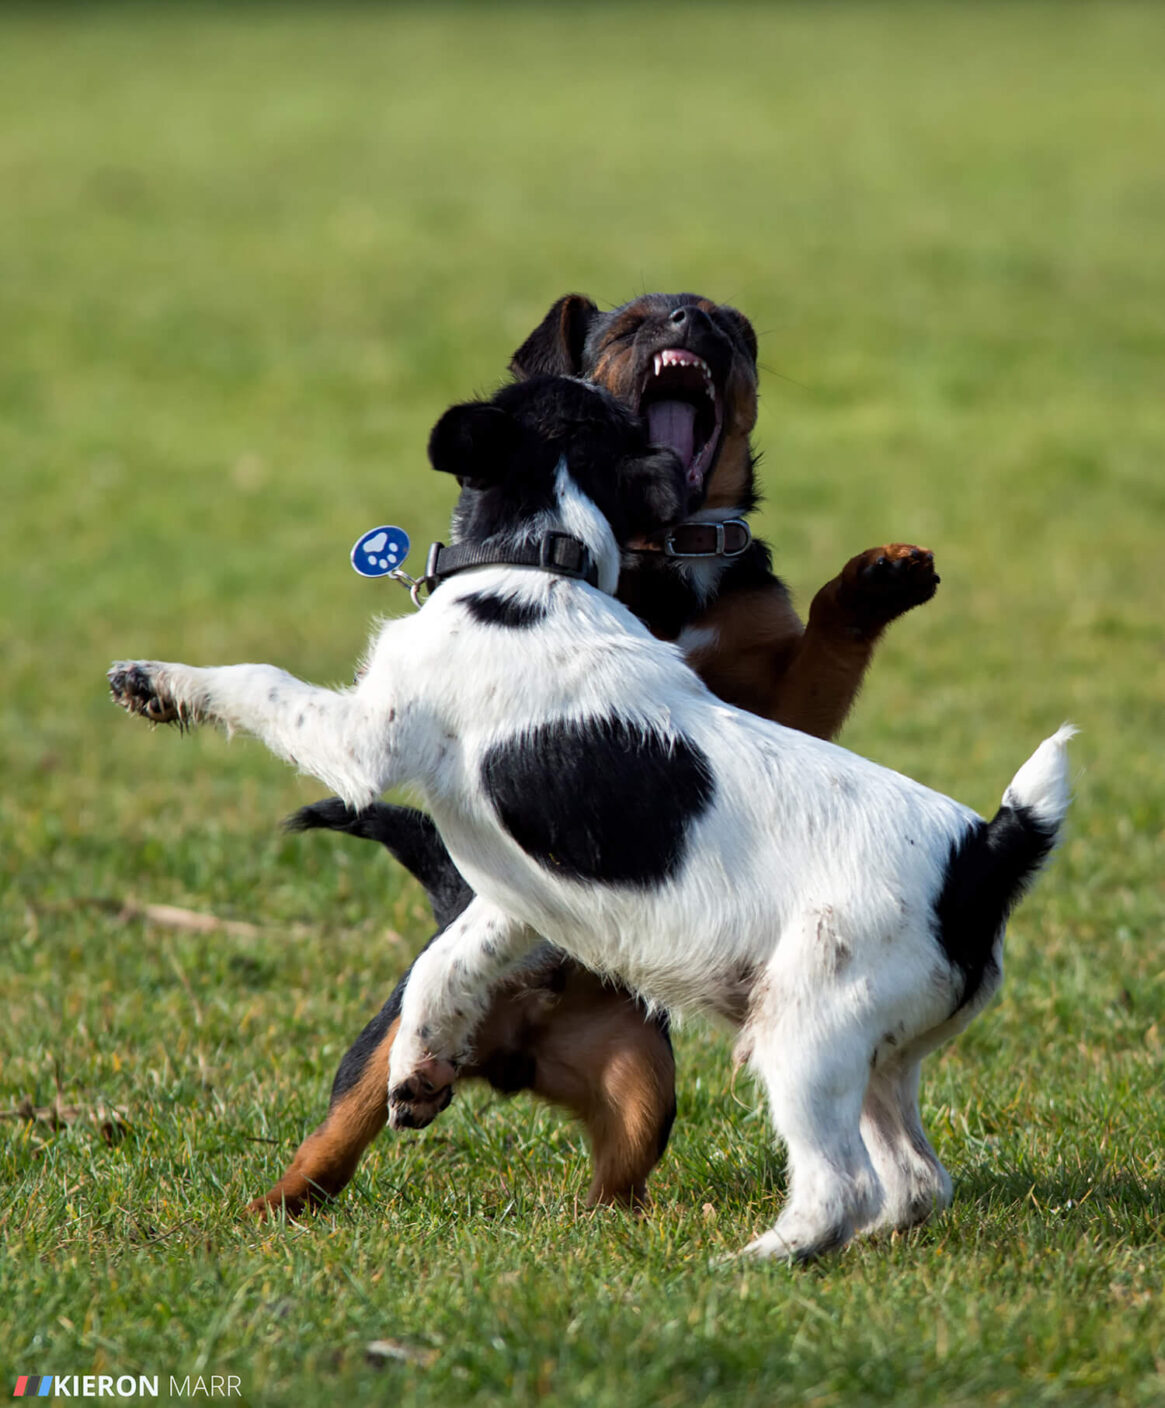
(881, 583)
(136, 685)
(418, 1098)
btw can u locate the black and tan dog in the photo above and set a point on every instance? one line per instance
(688, 366)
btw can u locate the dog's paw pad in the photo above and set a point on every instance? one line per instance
(881, 583)
(135, 688)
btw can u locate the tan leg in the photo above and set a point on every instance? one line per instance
(613, 1068)
(562, 1034)
(326, 1160)
(753, 651)
(846, 618)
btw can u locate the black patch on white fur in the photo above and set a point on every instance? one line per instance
(493, 609)
(987, 871)
(599, 799)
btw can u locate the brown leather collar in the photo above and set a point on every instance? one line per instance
(725, 539)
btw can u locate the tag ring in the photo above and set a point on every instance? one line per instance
(414, 585)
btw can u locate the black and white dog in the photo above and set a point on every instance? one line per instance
(842, 918)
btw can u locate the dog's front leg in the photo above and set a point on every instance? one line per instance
(342, 738)
(448, 993)
(846, 619)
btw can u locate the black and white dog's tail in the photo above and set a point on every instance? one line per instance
(407, 834)
(992, 865)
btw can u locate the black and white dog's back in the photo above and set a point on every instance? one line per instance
(844, 919)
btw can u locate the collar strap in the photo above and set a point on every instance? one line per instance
(728, 538)
(553, 552)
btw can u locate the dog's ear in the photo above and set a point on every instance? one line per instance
(653, 491)
(741, 326)
(555, 347)
(475, 441)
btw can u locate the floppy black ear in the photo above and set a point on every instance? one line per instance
(742, 326)
(555, 347)
(653, 491)
(475, 441)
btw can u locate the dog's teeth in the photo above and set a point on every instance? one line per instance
(675, 357)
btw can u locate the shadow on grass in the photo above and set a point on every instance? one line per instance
(1120, 1196)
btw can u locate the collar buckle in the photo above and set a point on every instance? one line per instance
(720, 546)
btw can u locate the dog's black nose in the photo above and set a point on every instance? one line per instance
(689, 321)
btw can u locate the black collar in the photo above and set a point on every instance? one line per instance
(553, 552)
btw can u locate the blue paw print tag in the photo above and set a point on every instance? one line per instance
(380, 551)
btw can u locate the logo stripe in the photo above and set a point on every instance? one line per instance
(21, 1385)
(46, 1386)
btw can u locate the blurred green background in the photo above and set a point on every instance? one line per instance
(247, 256)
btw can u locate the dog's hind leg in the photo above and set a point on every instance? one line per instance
(328, 1156)
(916, 1184)
(358, 1110)
(557, 1031)
(815, 1073)
(584, 1045)
(326, 1160)
(603, 1058)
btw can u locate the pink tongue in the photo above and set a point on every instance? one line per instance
(673, 423)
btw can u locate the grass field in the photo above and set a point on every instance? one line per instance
(246, 258)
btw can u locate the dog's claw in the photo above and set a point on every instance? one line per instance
(134, 687)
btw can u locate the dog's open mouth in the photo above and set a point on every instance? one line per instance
(683, 410)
